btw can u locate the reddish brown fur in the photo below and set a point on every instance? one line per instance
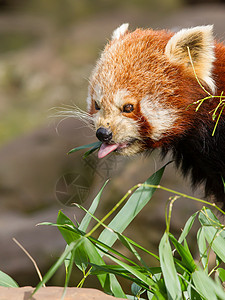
(136, 63)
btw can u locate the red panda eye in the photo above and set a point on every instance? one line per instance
(128, 108)
(96, 106)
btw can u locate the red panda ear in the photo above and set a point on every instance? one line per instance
(120, 31)
(200, 42)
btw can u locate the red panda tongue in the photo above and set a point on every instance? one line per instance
(105, 149)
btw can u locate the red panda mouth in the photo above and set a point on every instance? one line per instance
(105, 148)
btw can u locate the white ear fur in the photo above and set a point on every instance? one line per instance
(201, 45)
(120, 31)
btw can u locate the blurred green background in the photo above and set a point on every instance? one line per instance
(47, 51)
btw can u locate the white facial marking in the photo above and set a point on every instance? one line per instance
(97, 93)
(161, 118)
(120, 31)
(88, 100)
(119, 98)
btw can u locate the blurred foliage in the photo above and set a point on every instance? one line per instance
(11, 41)
(68, 11)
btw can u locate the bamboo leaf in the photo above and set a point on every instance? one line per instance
(87, 250)
(95, 258)
(185, 255)
(133, 206)
(187, 227)
(87, 218)
(115, 269)
(133, 270)
(94, 146)
(203, 250)
(213, 231)
(156, 296)
(221, 272)
(80, 257)
(168, 269)
(139, 246)
(135, 289)
(68, 233)
(206, 286)
(69, 268)
(7, 281)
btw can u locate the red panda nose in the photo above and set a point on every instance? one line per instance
(104, 134)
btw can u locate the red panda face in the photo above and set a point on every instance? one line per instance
(139, 93)
(116, 121)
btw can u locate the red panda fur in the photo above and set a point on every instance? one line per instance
(141, 97)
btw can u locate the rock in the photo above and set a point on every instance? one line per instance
(52, 293)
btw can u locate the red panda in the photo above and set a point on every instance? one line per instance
(141, 97)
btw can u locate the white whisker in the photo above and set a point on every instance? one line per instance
(73, 111)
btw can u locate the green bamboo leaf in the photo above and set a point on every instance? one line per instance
(125, 241)
(136, 289)
(133, 206)
(93, 149)
(187, 227)
(129, 246)
(115, 269)
(68, 270)
(122, 272)
(95, 145)
(66, 227)
(67, 261)
(46, 224)
(81, 258)
(207, 218)
(206, 286)
(87, 218)
(218, 260)
(102, 247)
(139, 246)
(223, 183)
(155, 296)
(87, 249)
(150, 295)
(193, 294)
(116, 287)
(203, 249)
(168, 269)
(7, 281)
(133, 270)
(131, 297)
(185, 254)
(213, 231)
(118, 270)
(95, 258)
(221, 272)
(185, 244)
(145, 281)
(68, 232)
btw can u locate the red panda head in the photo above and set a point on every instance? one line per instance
(142, 86)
